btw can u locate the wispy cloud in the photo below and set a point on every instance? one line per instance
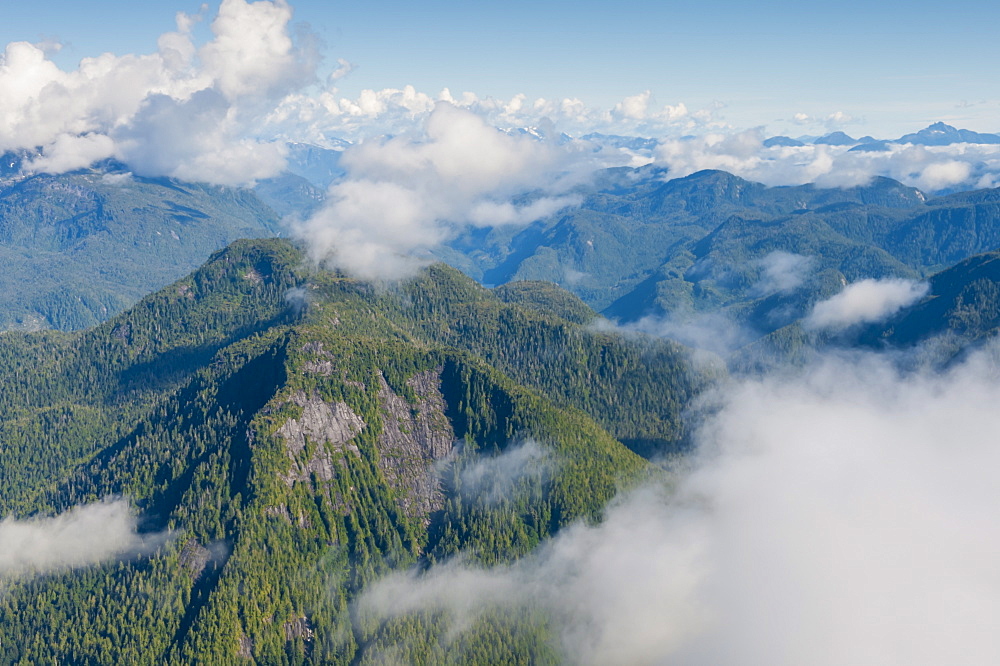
(781, 273)
(863, 302)
(491, 478)
(84, 535)
(713, 332)
(846, 514)
(404, 195)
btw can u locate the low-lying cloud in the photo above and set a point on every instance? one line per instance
(781, 273)
(491, 478)
(865, 302)
(84, 535)
(404, 195)
(844, 515)
(714, 332)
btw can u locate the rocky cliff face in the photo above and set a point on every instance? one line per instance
(413, 438)
(328, 427)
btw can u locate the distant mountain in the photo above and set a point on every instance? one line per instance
(640, 245)
(872, 147)
(959, 314)
(835, 139)
(319, 166)
(539, 133)
(290, 195)
(299, 435)
(781, 141)
(77, 248)
(634, 143)
(940, 134)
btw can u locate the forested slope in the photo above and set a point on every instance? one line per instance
(287, 435)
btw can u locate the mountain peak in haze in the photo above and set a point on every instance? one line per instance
(783, 141)
(942, 134)
(837, 138)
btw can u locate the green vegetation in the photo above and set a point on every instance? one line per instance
(78, 248)
(640, 244)
(961, 310)
(299, 434)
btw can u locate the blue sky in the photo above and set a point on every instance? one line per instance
(891, 70)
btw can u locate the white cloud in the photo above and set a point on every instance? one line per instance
(344, 67)
(713, 332)
(838, 120)
(634, 107)
(940, 175)
(70, 152)
(492, 478)
(218, 111)
(831, 122)
(84, 535)
(252, 52)
(782, 272)
(847, 515)
(492, 213)
(865, 302)
(736, 153)
(183, 111)
(395, 111)
(931, 168)
(407, 194)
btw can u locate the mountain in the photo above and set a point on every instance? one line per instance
(320, 166)
(835, 139)
(79, 247)
(634, 143)
(781, 141)
(961, 309)
(959, 314)
(546, 132)
(288, 435)
(940, 134)
(641, 244)
(877, 146)
(290, 195)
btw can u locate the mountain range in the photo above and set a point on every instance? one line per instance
(642, 246)
(639, 245)
(264, 440)
(936, 134)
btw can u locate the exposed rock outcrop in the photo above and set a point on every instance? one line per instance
(413, 437)
(328, 426)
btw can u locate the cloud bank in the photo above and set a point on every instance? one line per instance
(404, 195)
(492, 478)
(781, 272)
(221, 111)
(847, 515)
(185, 111)
(865, 302)
(929, 168)
(84, 535)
